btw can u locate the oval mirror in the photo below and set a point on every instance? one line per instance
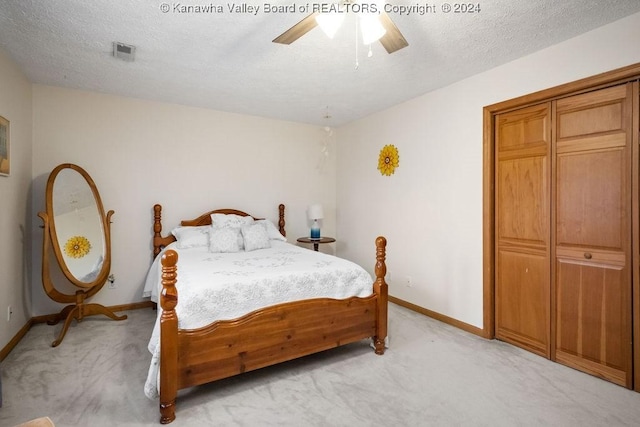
(77, 226)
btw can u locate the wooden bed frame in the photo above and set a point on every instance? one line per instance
(190, 357)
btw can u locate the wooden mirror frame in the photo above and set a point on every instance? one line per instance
(77, 309)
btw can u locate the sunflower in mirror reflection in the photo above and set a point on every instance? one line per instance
(77, 246)
(389, 160)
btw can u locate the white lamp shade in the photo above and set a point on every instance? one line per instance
(315, 212)
(330, 22)
(371, 28)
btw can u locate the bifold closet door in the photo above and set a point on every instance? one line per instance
(592, 239)
(522, 198)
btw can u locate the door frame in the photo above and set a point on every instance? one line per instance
(627, 74)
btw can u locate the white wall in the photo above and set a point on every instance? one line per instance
(190, 160)
(15, 106)
(430, 210)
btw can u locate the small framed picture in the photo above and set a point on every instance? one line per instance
(4, 147)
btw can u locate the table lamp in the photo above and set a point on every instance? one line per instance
(315, 215)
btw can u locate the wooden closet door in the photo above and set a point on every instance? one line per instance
(523, 173)
(592, 276)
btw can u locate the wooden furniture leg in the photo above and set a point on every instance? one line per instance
(381, 289)
(78, 311)
(169, 334)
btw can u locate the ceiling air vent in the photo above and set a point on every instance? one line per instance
(124, 51)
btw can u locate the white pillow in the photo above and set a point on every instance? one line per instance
(231, 221)
(274, 233)
(191, 237)
(255, 237)
(224, 239)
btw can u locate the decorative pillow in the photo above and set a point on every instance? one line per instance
(191, 237)
(272, 230)
(231, 221)
(224, 239)
(255, 237)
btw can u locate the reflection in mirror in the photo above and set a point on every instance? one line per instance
(78, 225)
(79, 232)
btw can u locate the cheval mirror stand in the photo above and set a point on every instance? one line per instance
(79, 232)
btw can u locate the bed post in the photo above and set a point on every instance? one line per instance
(168, 337)
(381, 290)
(281, 220)
(157, 228)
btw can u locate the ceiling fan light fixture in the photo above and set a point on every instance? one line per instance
(330, 22)
(372, 29)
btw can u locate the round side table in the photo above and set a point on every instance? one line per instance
(316, 242)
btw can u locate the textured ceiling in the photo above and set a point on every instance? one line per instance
(226, 60)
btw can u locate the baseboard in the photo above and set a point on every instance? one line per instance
(15, 340)
(133, 306)
(41, 319)
(441, 317)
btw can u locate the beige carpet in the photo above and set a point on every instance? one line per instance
(432, 375)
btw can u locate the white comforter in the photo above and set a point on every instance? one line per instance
(215, 286)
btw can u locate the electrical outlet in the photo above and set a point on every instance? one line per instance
(112, 281)
(408, 281)
(9, 313)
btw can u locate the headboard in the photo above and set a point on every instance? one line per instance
(159, 241)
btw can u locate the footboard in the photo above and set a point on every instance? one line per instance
(264, 337)
(269, 336)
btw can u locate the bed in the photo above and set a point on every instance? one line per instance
(226, 340)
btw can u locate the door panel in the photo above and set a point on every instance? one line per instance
(523, 228)
(523, 310)
(592, 283)
(591, 302)
(523, 185)
(592, 120)
(591, 198)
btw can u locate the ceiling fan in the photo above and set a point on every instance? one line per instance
(329, 17)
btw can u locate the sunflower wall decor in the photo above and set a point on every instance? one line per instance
(77, 246)
(388, 160)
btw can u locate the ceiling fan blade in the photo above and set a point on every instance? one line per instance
(393, 39)
(298, 30)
